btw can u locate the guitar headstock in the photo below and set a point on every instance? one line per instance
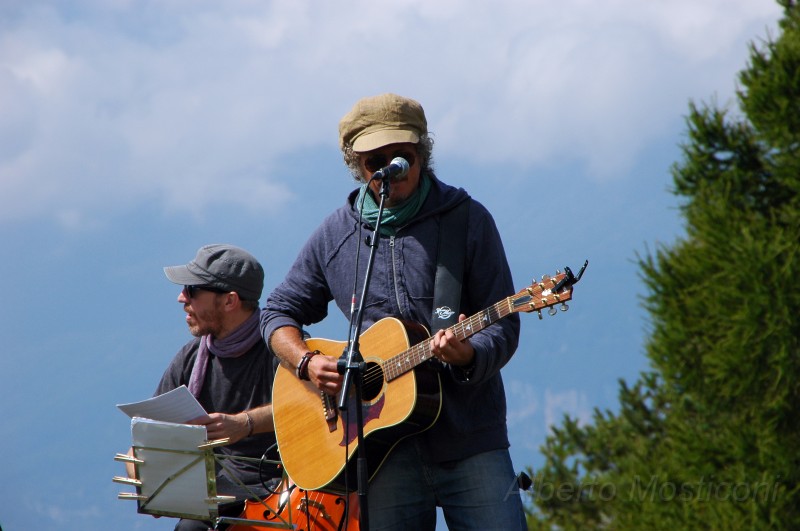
(548, 292)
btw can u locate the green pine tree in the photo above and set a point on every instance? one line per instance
(710, 438)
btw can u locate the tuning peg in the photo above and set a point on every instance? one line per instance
(564, 307)
(552, 311)
(539, 312)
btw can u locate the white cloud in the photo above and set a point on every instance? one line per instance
(63, 516)
(108, 106)
(523, 402)
(570, 402)
(527, 403)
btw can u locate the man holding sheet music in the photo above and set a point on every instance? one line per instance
(227, 366)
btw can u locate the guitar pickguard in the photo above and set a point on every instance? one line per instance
(368, 411)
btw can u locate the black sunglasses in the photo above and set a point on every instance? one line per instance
(191, 291)
(380, 160)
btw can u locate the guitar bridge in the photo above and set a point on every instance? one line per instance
(330, 410)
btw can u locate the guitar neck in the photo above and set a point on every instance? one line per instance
(407, 360)
(539, 295)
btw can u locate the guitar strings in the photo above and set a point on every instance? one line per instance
(401, 363)
(421, 351)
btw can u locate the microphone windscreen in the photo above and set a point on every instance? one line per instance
(403, 164)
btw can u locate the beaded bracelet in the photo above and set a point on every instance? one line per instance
(302, 367)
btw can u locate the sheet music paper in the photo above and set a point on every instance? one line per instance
(178, 406)
(173, 474)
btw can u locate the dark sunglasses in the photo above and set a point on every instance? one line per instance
(191, 291)
(380, 160)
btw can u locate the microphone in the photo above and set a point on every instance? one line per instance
(396, 170)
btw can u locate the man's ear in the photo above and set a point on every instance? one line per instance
(232, 301)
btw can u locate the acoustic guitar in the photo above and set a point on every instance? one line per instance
(400, 392)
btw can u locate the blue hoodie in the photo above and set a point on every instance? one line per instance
(473, 416)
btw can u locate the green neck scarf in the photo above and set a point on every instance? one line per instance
(397, 216)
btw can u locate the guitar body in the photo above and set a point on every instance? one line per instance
(317, 442)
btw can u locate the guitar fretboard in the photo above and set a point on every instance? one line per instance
(408, 359)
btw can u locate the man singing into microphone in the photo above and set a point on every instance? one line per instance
(462, 462)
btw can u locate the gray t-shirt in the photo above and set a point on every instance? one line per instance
(232, 385)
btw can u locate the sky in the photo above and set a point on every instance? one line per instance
(134, 132)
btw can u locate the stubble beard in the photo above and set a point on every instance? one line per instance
(207, 322)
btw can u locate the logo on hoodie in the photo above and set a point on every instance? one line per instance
(444, 312)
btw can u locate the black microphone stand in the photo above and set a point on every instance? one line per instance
(352, 365)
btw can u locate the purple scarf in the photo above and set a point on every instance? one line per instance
(239, 342)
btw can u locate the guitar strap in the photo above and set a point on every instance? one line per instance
(449, 267)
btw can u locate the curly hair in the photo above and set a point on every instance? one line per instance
(424, 150)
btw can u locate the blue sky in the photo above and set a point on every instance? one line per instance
(133, 132)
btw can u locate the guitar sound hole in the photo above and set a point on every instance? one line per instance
(373, 381)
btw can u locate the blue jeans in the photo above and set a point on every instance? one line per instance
(479, 492)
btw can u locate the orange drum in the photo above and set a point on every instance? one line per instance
(302, 510)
